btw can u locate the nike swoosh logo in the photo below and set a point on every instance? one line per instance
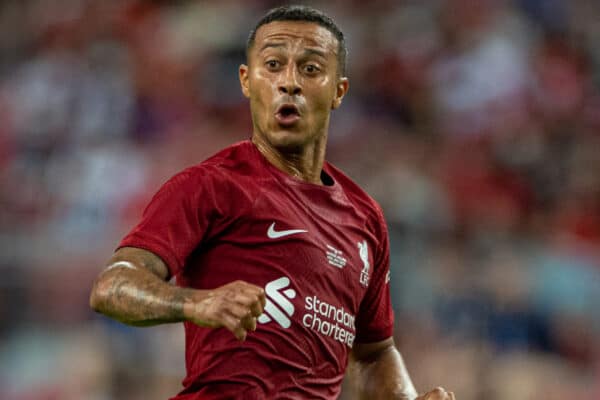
(273, 234)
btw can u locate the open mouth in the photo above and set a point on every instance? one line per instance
(287, 114)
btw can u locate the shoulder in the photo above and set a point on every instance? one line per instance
(222, 167)
(358, 197)
(217, 175)
(232, 158)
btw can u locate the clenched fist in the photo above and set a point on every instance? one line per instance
(234, 306)
(437, 394)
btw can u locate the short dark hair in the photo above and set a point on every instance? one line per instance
(303, 14)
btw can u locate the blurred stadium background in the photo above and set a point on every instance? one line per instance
(475, 123)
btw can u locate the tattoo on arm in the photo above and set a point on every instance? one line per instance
(133, 290)
(140, 258)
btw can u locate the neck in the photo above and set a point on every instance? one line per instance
(305, 163)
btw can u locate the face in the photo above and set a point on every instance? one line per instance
(292, 82)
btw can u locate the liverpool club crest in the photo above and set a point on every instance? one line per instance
(363, 251)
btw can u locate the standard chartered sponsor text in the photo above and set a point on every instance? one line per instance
(329, 320)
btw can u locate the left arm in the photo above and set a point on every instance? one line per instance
(377, 371)
(376, 368)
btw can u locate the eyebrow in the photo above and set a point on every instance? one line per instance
(316, 52)
(307, 51)
(271, 45)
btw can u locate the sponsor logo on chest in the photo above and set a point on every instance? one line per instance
(326, 319)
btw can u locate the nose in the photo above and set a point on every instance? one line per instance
(289, 82)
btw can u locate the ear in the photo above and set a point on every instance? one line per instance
(243, 72)
(341, 89)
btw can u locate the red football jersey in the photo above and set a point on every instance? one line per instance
(320, 251)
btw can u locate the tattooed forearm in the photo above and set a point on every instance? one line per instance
(133, 290)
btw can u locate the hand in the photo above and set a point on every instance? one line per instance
(437, 394)
(234, 306)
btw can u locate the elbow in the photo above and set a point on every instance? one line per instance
(94, 301)
(99, 294)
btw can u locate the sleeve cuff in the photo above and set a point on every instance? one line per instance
(157, 249)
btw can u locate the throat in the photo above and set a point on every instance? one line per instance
(305, 166)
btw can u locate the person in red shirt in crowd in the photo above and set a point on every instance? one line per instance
(270, 242)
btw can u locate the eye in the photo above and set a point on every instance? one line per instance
(272, 64)
(311, 69)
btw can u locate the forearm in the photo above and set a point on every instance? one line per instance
(133, 290)
(382, 376)
(135, 296)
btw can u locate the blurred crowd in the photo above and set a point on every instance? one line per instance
(475, 123)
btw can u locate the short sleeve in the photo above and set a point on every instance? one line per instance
(177, 219)
(375, 320)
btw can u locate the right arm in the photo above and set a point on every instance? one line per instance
(133, 290)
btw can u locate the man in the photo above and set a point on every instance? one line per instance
(269, 213)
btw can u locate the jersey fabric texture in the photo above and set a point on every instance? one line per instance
(320, 251)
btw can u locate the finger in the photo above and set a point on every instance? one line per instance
(253, 308)
(256, 308)
(262, 297)
(240, 334)
(249, 323)
(252, 301)
(238, 310)
(451, 396)
(247, 287)
(229, 322)
(440, 393)
(243, 297)
(233, 324)
(257, 291)
(436, 394)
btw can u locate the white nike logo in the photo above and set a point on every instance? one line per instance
(273, 234)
